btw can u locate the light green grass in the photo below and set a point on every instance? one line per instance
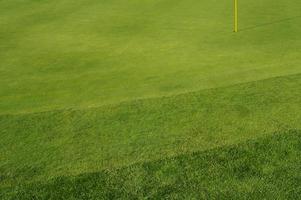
(59, 53)
(102, 89)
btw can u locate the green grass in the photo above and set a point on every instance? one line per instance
(56, 53)
(95, 95)
(42, 146)
(267, 168)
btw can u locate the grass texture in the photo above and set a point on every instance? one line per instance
(58, 54)
(266, 168)
(44, 146)
(149, 99)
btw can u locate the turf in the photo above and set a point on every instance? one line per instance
(43, 146)
(56, 53)
(266, 168)
(95, 95)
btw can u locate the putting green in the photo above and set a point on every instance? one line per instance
(61, 54)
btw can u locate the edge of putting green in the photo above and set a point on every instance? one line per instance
(69, 142)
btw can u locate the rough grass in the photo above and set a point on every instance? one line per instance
(265, 168)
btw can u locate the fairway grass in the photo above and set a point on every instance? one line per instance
(42, 146)
(150, 99)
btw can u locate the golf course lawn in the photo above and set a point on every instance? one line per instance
(150, 99)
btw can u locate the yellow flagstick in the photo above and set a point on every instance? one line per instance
(235, 16)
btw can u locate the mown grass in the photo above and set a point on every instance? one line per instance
(42, 146)
(265, 168)
(58, 54)
(95, 95)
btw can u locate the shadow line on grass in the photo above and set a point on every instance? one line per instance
(270, 23)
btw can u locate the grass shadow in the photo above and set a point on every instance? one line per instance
(270, 23)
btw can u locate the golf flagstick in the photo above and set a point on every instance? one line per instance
(235, 16)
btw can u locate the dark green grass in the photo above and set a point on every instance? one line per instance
(45, 145)
(265, 168)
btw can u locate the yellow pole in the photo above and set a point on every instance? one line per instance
(235, 16)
